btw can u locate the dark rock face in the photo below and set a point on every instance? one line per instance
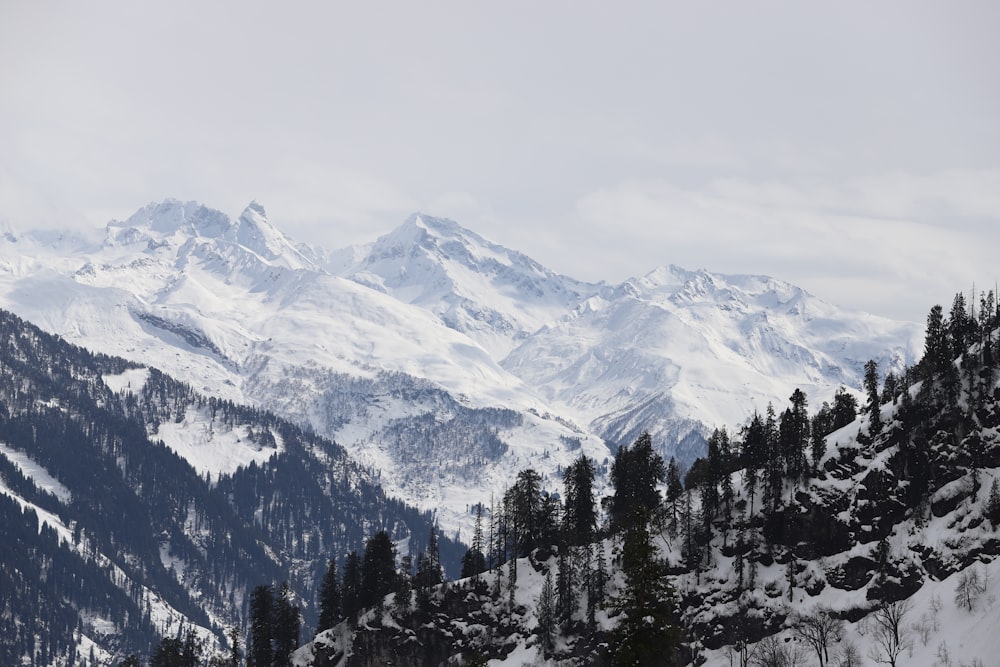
(852, 575)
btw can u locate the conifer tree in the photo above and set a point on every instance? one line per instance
(287, 626)
(645, 635)
(754, 447)
(350, 590)
(378, 569)
(547, 615)
(329, 598)
(635, 473)
(404, 585)
(673, 494)
(872, 407)
(580, 515)
(259, 650)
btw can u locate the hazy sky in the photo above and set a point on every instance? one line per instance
(852, 148)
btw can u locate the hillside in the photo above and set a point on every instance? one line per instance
(784, 528)
(134, 506)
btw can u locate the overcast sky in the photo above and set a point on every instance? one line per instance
(852, 148)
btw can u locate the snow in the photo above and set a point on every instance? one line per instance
(37, 473)
(239, 311)
(131, 380)
(212, 447)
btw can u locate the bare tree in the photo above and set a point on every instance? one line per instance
(889, 635)
(819, 628)
(849, 655)
(772, 652)
(969, 588)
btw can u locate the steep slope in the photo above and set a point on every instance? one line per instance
(494, 295)
(134, 506)
(678, 350)
(889, 541)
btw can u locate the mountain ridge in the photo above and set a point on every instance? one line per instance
(431, 306)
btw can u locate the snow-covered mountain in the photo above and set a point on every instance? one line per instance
(443, 360)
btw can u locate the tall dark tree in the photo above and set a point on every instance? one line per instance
(794, 435)
(960, 327)
(329, 598)
(873, 405)
(378, 569)
(474, 560)
(646, 634)
(404, 585)
(774, 469)
(675, 488)
(845, 407)
(754, 455)
(350, 590)
(260, 652)
(580, 513)
(635, 474)
(287, 626)
(523, 506)
(176, 652)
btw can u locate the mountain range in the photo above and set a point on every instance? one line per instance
(434, 356)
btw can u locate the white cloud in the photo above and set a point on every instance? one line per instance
(600, 138)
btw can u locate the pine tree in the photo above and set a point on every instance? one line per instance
(754, 447)
(635, 474)
(404, 586)
(547, 615)
(993, 505)
(378, 570)
(287, 626)
(259, 651)
(580, 516)
(566, 585)
(873, 405)
(645, 634)
(329, 598)
(350, 589)
(675, 488)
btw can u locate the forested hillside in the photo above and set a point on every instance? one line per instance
(861, 530)
(110, 538)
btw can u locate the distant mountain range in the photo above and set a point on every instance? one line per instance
(441, 360)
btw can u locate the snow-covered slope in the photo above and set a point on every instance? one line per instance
(495, 295)
(410, 350)
(239, 311)
(712, 348)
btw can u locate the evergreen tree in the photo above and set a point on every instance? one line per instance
(635, 474)
(473, 563)
(378, 570)
(674, 490)
(645, 634)
(474, 560)
(259, 649)
(872, 407)
(404, 585)
(175, 652)
(774, 470)
(754, 449)
(350, 589)
(566, 585)
(580, 517)
(523, 505)
(329, 598)
(547, 615)
(287, 626)
(794, 435)
(993, 505)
